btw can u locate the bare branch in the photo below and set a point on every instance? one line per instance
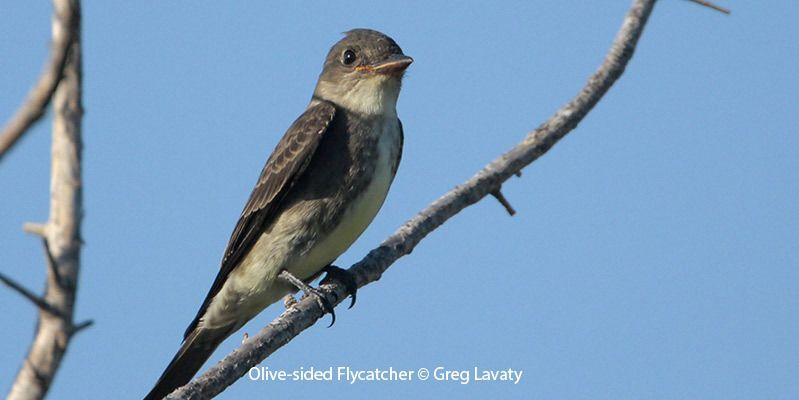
(502, 200)
(35, 229)
(41, 231)
(39, 97)
(62, 233)
(81, 326)
(711, 5)
(306, 312)
(36, 300)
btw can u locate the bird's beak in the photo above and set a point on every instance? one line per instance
(396, 63)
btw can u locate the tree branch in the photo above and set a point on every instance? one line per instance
(711, 6)
(61, 233)
(39, 97)
(36, 300)
(306, 312)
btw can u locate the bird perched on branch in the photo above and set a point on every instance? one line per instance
(319, 190)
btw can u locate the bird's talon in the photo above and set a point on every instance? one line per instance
(325, 305)
(343, 277)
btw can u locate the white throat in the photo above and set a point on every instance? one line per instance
(375, 95)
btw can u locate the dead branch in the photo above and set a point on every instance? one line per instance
(61, 233)
(39, 97)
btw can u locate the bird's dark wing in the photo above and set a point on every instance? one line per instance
(287, 162)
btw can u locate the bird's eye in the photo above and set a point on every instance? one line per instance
(348, 57)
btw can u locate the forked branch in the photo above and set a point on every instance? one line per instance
(35, 104)
(61, 233)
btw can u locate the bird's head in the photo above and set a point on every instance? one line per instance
(363, 73)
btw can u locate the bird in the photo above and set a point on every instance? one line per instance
(320, 188)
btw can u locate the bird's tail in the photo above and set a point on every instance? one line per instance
(196, 349)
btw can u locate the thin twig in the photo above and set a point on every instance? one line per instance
(81, 326)
(35, 229)
(502, 200)
(36, 300)
(711, 5)
(52, 265)
(306, 312)
(35, 104)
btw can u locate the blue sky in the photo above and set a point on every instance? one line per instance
(654, 250)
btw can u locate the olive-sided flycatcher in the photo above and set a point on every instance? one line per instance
(323, 184)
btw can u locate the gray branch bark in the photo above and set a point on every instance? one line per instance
(39, 97)
(62, 231)
(487, 181)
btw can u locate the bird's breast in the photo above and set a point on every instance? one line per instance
(359, 212)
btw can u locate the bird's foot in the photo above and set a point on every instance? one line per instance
(344, 277)
(310, 291)
(289, 300)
